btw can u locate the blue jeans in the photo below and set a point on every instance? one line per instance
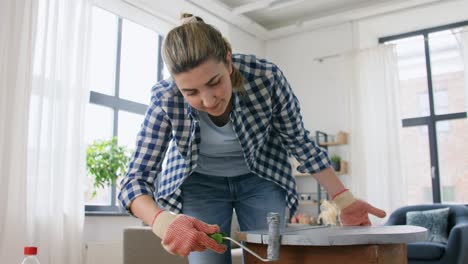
(212, 199)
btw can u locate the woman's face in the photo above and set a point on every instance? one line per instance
(207, 87)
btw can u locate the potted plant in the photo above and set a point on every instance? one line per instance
(336, 161)
(105, 162)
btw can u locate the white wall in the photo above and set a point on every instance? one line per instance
(315, 84)
(104, 233)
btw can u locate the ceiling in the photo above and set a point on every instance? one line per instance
(270, 19)
(276, 14)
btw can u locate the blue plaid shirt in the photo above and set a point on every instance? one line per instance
(266, 118)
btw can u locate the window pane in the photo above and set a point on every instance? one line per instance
(447, 73)
(413, 80)
(416, 164)
(102, 197)
(139, 62)
(452, 145)
(103, 51)
(440, 99)
(129, 126)
(99, 125)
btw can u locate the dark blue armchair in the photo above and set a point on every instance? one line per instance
(454, 252)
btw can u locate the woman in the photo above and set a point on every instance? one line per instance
(216, 138)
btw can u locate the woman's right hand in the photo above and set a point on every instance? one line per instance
(182, 234)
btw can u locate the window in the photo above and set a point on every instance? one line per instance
(125, 64)
(440, 103)
(433, 136)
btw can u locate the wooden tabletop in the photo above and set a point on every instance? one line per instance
(337, 235)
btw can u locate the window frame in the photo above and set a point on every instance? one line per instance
(117, 104)
(430, 120)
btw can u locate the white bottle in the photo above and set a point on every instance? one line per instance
(30, 256)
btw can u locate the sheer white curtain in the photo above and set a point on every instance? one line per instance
(56, 160)
(17, 28)
(376, 171)
(48, 199)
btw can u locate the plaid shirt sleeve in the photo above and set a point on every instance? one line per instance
(287, 121)
(146, 163)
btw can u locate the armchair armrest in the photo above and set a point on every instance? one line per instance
(397, 218)
(457, 246)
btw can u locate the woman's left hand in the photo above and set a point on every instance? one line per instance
(355, 212)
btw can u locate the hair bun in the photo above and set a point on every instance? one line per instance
(186, 18)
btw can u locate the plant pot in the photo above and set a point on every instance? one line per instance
(336, 166)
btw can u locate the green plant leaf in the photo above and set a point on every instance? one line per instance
(105, 162)
(335, 159)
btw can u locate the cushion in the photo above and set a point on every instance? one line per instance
(426, 250)
(434, 220)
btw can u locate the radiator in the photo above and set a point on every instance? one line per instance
(104, 252)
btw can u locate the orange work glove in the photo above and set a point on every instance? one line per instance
(182, 234)
(355, 212)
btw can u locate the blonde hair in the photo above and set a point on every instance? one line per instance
(193, 43)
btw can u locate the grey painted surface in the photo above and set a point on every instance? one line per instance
(339, 236)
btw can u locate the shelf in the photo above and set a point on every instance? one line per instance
(343, 168)
(325, 141)
(328, 144)
(308, 202)
(341, 139)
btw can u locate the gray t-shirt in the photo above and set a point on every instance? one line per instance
(220, 150)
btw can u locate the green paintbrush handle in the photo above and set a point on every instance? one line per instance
(218, 237)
